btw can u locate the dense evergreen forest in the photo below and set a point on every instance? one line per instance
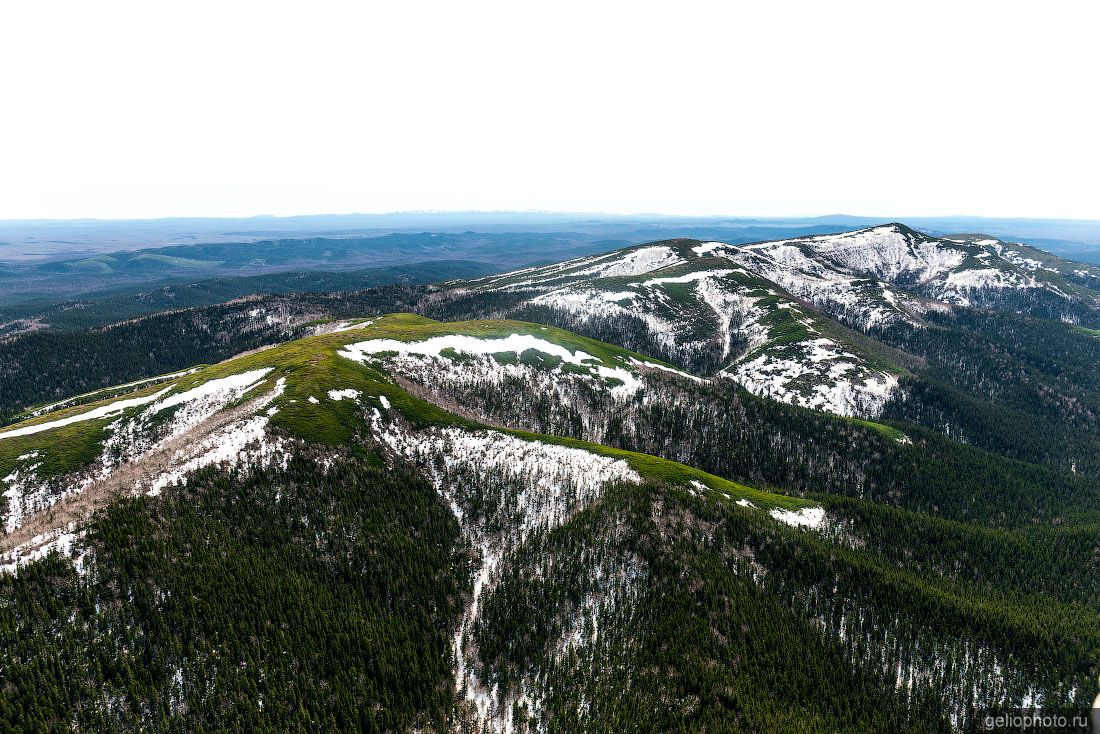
(296, 600)
(944, 563)
(725, 431)
(112, 306)
(316, 598)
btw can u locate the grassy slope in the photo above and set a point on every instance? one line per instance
(312, 367)
(67, 448)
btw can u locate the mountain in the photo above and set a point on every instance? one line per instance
(57, 260)
(867, 278)
(397, 523)
(149, 433)
(968, 271)
(712, 316)
(789, 319)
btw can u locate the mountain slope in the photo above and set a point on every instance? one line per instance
(468, 500)
(824, 321)
(961, 271)
(147, 438)
(713, 317)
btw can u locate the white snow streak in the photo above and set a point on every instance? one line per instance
(546, 485)
(204, 400)
(104, 411)
(517, 343)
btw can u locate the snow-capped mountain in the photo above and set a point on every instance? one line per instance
(712, 314)
(851, 274)
(784, 318)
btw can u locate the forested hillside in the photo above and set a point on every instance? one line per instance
(726, 498)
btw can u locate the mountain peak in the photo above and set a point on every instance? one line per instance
(898, 227)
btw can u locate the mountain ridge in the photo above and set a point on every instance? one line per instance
(570, 529)
(590, 529)
(903, 275)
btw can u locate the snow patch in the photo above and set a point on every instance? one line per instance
(707, 247)
(819, 374)
(244, 443)
(686, 278)
(104, 411)
(64, 541)
(350, 393)
(635, 262)
(484, 347)
(432, 346)
(611, 265)
(22, 495)
(584, 304)
(220, 392)
(977, 278)
(349, 325)
(807, 517)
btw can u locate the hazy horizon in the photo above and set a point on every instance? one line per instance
(730, 216)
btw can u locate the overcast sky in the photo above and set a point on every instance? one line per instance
(148, 109)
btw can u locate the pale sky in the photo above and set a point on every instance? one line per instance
(151, 109)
